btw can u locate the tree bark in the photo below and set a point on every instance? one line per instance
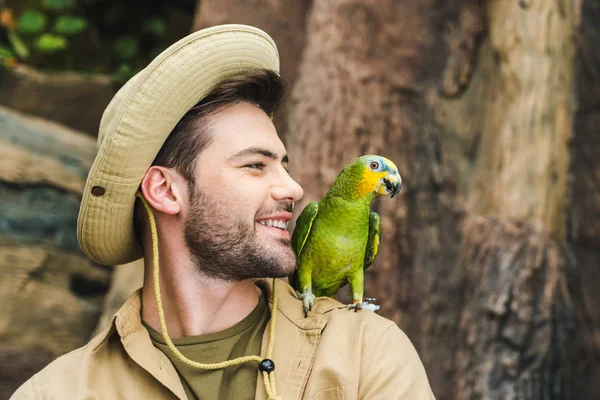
(584, 215)
(283, 20)
(510, 128)
(523, 159)
(516, 314)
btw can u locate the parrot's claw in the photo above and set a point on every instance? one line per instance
(366, 305)
(308, 299)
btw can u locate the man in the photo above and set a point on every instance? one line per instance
(191, 138)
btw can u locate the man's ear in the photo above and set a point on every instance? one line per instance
(163, 189)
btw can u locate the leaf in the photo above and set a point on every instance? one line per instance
(156, 27)
(58, 5)
(126, 47)
(50, 43)
(17, 44)
(69, 25)
(5, 52)
(31, 22)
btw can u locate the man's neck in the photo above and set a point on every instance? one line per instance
(194, 304)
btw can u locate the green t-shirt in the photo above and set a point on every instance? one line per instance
(242, 339)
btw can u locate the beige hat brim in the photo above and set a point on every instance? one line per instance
(139, 119)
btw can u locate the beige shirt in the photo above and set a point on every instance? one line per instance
(332, 354)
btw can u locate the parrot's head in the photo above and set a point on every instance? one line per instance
(376, 175)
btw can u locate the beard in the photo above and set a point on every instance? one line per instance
(227, 248)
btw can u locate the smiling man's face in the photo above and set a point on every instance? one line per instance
(235, 226)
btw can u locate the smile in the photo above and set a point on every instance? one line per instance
(281, 224)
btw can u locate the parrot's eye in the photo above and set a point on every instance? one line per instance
(374, 165)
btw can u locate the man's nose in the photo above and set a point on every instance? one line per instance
(287, 188)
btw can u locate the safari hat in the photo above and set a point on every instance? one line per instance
(141, 116)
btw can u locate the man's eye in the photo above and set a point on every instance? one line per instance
(255, 165)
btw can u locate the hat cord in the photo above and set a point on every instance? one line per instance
(266, 366)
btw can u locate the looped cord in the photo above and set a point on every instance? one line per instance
(268, 378)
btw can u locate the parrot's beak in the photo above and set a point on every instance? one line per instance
(392, 183)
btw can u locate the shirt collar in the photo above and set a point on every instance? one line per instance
(128, 318)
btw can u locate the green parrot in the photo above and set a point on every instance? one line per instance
(337, 238)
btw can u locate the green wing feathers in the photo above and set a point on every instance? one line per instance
(300, 236)
(374, 239)
(303, 226)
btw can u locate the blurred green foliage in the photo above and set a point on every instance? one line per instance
(108, 36)
(58, 5)
(50, 43)
(31, 22)
(70, 25)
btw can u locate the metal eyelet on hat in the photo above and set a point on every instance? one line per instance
(98, 190)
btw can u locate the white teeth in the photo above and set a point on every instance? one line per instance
(276, 223)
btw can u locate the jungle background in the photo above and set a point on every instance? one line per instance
(490, 257)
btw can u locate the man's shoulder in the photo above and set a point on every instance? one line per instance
(365, 327)
(331, 312)
(335, 312)
(368, 348)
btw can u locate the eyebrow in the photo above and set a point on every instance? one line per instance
(251, 151)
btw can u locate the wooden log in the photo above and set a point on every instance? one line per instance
(72, 99)
(50, 293)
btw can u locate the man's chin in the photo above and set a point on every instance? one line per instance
(284, 267)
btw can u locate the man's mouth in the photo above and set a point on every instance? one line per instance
(276, 223)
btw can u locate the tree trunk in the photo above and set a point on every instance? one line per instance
(512, 126)
(523, 158)
(584, 215)
(283, 20)
(368, 83)
(50, 294)
(516, 313)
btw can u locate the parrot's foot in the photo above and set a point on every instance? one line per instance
(357, 305)
(308, 299)
(366, 305)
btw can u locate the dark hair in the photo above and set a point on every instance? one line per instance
(191, 135)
